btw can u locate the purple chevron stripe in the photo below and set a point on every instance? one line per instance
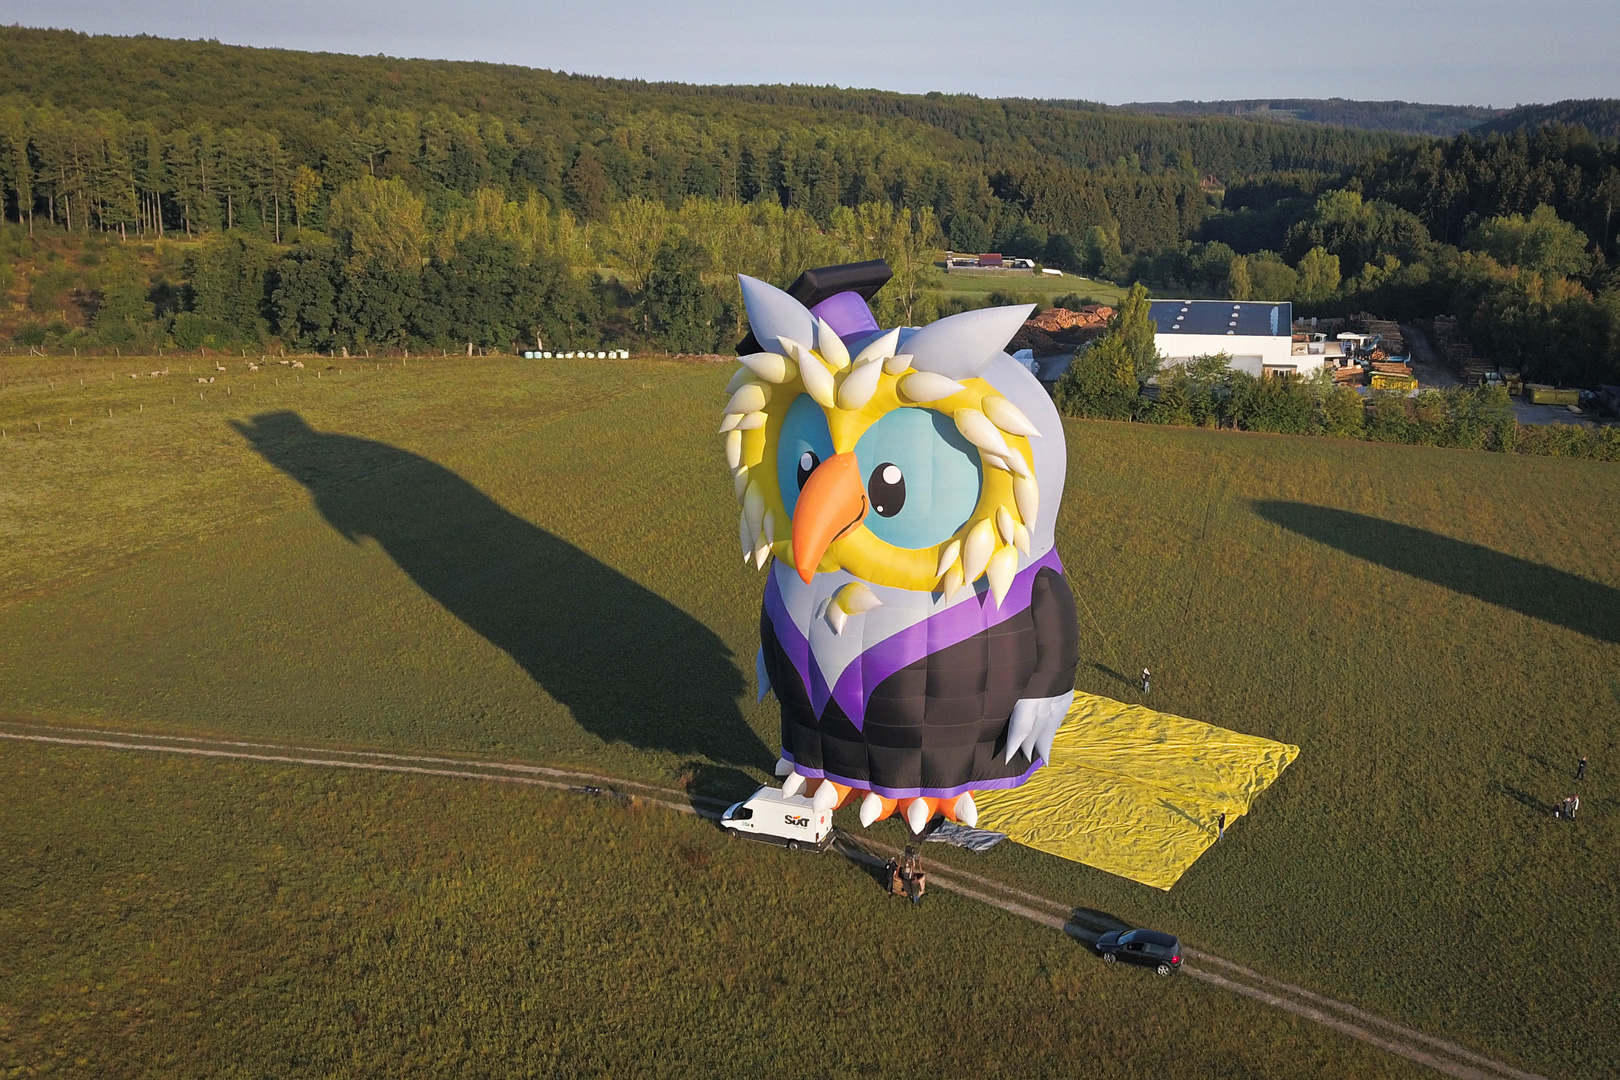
(949, 627)
(1003, 784)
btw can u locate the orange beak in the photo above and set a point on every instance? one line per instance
(831, 506)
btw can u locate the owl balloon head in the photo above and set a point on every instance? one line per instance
(901, 486)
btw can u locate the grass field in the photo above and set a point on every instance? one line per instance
(205, 920)
(1023, 287)
(536, 561)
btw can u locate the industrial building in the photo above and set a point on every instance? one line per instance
(1257, 335)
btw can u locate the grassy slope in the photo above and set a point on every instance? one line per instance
(1408, 861)
(195, 919)
(1027, 288)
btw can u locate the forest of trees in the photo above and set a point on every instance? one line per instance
(1600, 116)
(1411, 117)
(1515, 233)
(160, 135)
(339, 201)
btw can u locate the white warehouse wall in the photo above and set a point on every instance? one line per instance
(1250, 354)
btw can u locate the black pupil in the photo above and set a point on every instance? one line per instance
(887, 487)
(807, 465)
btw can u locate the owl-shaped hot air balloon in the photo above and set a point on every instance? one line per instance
(901, 487)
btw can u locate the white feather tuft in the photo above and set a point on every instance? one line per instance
(879, 348)
(772, 367)
(1057, 711)
(1028, 497)
(981, 544)
(859, 386)
(925, 386)
(754, 510)
(1008, 417)
(1020, 725)
(1003, 567)
(1016, 465)
(831, 346)
(818, 381)
(1005, 525)
(977, 429)
(750, 397)
(857, 598)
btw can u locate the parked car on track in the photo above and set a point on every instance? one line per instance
(1150, 948)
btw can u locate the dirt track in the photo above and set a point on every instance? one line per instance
(1080, 923)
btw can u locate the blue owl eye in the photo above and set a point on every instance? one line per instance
(804, 443)
(923, 477)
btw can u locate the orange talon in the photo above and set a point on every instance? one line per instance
(826, 794)
(874, 807)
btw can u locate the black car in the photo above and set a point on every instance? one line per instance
(1150, 948)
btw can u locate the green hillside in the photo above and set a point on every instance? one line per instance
(321, 202)
(197, 136)
(1600, 116)
(1409, 117)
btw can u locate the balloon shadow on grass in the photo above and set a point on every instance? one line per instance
(1554, 596)
(629, 665)
(1086, 925)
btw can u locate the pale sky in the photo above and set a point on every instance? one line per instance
(1475, 52)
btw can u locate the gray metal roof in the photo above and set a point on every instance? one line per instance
(1239, 318)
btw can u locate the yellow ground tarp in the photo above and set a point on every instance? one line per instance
(1135, 792)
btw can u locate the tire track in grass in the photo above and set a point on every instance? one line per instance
(1436, 1053)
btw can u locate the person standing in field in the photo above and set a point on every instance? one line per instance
(1571, 804)
(1147, 680)
(1221, 827)
(1580, 767)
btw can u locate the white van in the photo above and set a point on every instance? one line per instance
(776, 818)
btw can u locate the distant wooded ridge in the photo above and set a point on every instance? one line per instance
(1410, 117)
(350, 200)
(1600, 116)
(183, 123)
